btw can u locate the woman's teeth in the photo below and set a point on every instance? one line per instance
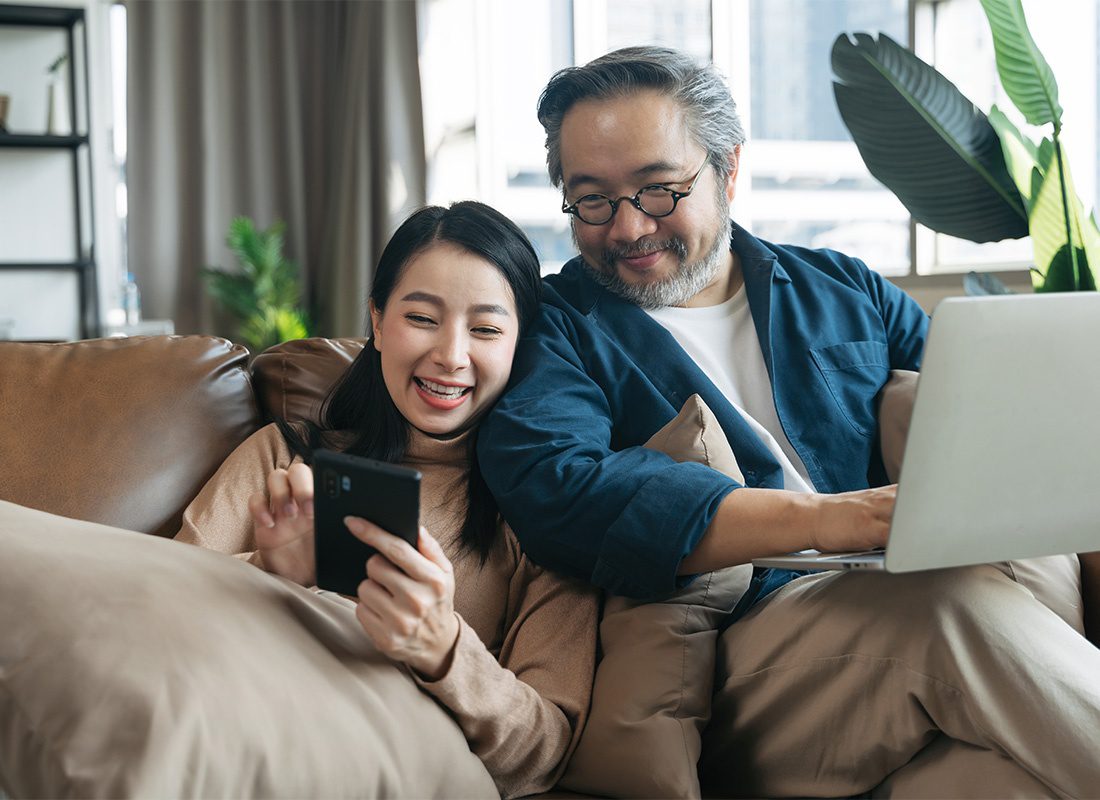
(439, 390)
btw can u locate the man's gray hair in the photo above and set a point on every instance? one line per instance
(699, 88)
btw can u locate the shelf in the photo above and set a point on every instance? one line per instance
(49, 16)
(46, 266)
(31, 140)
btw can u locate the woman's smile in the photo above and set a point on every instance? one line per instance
(444, 396)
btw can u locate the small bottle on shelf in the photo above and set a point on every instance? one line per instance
(131, 300)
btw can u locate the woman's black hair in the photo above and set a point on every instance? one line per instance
(359, 402)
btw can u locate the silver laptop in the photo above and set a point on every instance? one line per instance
(1003, 455)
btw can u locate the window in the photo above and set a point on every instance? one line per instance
(802, 180)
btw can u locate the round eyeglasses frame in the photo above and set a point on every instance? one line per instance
(574, 209)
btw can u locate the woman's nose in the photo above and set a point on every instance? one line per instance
(452, 352)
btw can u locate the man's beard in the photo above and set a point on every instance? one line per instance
(686, 281)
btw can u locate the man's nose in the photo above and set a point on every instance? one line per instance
(630, 224)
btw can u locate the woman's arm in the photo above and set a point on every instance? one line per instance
(523, 715)
(218, 518)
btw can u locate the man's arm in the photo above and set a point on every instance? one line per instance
(752, 523)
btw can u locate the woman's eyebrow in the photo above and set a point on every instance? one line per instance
(435, 300)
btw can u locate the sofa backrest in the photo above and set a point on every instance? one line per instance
(120, 431)
(292, 378)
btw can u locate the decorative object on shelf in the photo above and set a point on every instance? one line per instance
(960, 172)
(264, 295)
(5, 104)
(57, 109)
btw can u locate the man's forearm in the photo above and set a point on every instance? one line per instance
(1090, 592)
(752, 523)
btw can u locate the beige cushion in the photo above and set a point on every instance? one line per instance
(653, 687)
(132, 666)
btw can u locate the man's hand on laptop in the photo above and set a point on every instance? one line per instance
(853, 520)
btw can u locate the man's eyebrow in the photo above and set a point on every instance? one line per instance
(436, 300)
(641, 174)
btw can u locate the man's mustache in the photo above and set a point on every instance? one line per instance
(644, 248)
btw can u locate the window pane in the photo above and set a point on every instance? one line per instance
(684, 25)
(808, 184)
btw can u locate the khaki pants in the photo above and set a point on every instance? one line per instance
(832, 685)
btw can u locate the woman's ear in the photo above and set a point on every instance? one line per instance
(375, 325)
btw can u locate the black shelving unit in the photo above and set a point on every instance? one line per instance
(71, 20)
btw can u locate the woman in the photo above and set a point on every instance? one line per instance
(507, 648)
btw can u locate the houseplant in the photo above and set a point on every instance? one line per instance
(264, 296)
(959, 171)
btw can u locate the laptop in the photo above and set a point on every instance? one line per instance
(1003, 455)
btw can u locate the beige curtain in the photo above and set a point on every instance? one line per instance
(303, 111)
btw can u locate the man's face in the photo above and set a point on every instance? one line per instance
(616, 146)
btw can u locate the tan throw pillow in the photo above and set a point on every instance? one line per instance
(894, 412)
(652, 694)
(132, 666)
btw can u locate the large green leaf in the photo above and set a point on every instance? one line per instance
(1025, 74)
(1021, 154)
(925, 141)
(1048, 229)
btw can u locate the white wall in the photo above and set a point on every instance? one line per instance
(36, 212)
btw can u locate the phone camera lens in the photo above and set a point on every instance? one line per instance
(330, 484)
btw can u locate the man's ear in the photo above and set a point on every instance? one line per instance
(375, 325)
(731, 179)
(735, 162)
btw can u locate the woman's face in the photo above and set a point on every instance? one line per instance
(446, 337)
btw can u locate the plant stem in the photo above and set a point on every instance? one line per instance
(1065, 211)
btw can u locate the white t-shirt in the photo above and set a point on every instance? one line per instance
(722, 341)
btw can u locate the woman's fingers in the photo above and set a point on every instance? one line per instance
(300, 478)
(278, 493)
(433, 551)
(261, 514)
(393, 548)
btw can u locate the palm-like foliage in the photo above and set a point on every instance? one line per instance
(265, 294)
(960, 172)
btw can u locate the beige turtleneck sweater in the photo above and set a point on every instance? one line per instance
(521, 679)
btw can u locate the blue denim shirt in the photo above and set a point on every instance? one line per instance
(597, 377)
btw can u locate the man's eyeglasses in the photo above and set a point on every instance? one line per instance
(654, 200)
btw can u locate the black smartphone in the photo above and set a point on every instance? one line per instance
(343, 485)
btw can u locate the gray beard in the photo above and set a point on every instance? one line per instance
(687, 281)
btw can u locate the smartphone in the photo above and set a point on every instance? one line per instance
(344, 485)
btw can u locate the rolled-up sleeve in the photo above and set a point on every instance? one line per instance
(620, 518)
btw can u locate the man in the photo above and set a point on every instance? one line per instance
(830, 682)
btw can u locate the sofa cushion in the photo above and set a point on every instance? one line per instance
(132, 666)
(293, 378)
(120, 431)
(652, 695)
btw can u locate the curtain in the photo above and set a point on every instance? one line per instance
(295, 110)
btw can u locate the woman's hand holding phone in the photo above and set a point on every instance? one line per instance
(283, 524)
(406, 603)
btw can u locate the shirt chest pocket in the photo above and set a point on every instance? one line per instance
(854, 372)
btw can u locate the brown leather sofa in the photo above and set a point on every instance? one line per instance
(126, 431)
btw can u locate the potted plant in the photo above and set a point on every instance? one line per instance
(959, 171)
(264, 295)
